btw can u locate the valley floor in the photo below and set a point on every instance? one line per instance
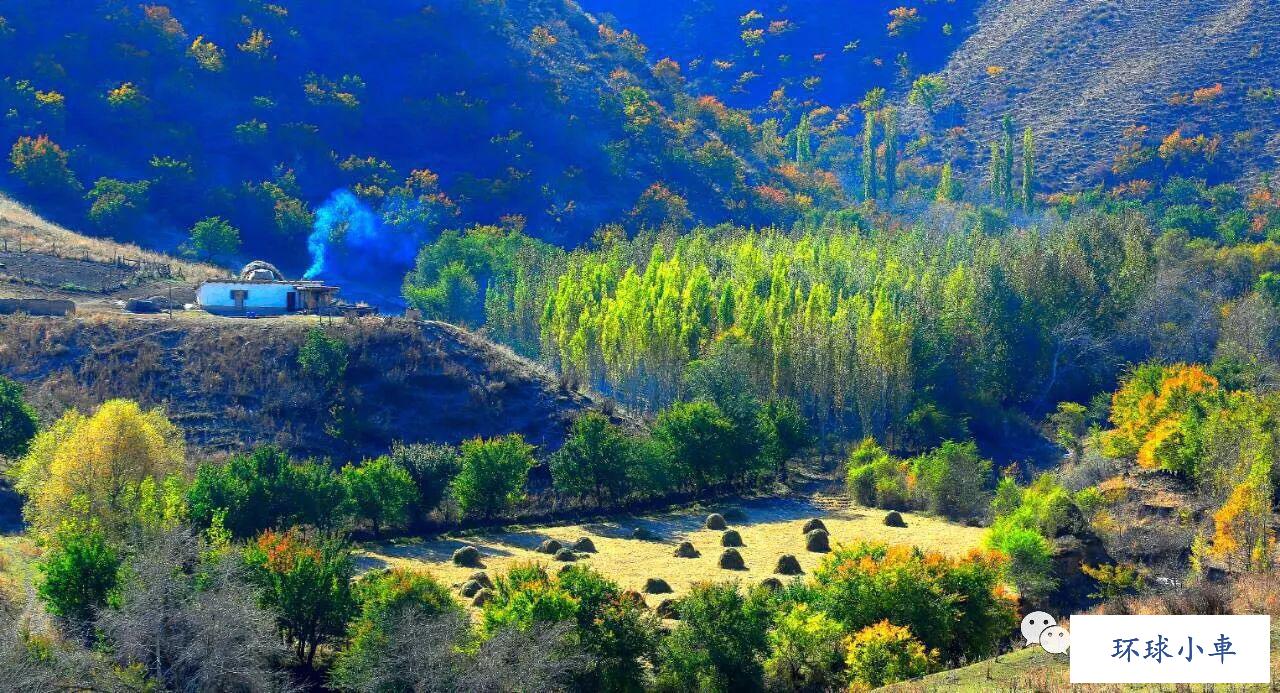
(770, 527)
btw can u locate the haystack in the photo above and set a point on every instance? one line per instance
(732, 560)
(716, 521)
(731, 538)
(467, 557)
(686, 550)
(788, 565)
(818, 541)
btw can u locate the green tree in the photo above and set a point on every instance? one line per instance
(785, 432)
(305, 580)
(18, 422)
(619, 634)
(720, 643)
(804, 651)
(926, 91)
(264, 490)
(213, 238)
(1006, 164)
(594, 459)
(1070, 425)
(116, 204)
(492, 475)
(431, 467)
(890, 118)
(700, 440)
(869, 167)
(323, 358)
(78, 574)
(948, 189)
(380, 491)
(953, 480)
(885, 653)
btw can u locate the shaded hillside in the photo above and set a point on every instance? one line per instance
(235, 383)
(434, 115)
(1082, 75)
(810, 50)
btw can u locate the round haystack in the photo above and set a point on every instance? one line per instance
(716, 521)
(566, 555)
(771, 583)
(482, 597)
(894, 519)
(643, 534)
(469, 588)
(467, 557)
(818, 541)
(483, 578)
(549, 546)
(788, 565)
(656, 586)
(584, 545)
(731, 538)
(732, 560)
(685, 550)
(669, 608)
(813, 524)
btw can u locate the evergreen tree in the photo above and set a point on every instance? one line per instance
(1006, 164)
(946, 185)
(1028, 170)
(996, 173)
(890, 154)
(869, 157)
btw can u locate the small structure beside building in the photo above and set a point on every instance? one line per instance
(261, 289)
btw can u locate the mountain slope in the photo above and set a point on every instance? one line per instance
(434, 115)
(1082, 75)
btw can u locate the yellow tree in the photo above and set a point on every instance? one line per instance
(92, 468)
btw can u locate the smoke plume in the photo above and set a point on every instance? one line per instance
(350, 241)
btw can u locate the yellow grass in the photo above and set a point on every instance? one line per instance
(20, 225)
(769, 530)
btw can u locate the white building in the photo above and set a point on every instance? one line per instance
(261, 289)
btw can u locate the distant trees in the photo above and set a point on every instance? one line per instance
(18, 423)
(491, 475)
(43, 166)
(926, 91)
(214, 238)
(116, 203)
(595, 459)
(263, 490)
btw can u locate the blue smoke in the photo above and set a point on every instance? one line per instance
(349, 240)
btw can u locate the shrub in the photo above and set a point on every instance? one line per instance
(18, 423)
(882, 653)
(213, 238)
(957, 605)
(323, 358)
(385, 598)
(526, 596)
(618, 634)
(79, 574)
(380, 491)
(1030, 558)
(952, 480)
(804, 651)
(875, 478)
(720, 642)
(492, 475)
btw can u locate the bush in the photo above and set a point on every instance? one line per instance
(18, 423)
(385, 598)
(720, 642)
(380, 491)
(882, 653)
(78, 574)
(875, 478)
(492, 475)
(323, 358)
(213, 238)
(957, 605)
(619, 635)
(952, 480)
(804, 651)
(1030, 564)
(526, 596)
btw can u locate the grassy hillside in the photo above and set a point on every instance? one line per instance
(1084, 75)
(234, 384)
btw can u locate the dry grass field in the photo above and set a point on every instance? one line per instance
(769, 529)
